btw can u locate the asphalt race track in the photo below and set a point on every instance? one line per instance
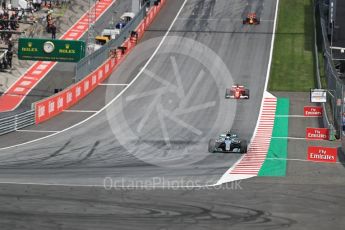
(155, 134)
(183, 93)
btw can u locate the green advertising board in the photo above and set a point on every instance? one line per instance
(37, 49)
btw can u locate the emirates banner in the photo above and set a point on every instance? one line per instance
(322, 154)
(317, 134)
(312, 111)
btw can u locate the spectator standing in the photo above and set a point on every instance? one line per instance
(53, 30)
(49, 5)
(49, 19)
(37, 4)
(2, 35)
(10, 44)
(5, 18)
(49, 16)
(13, 24)
(9, 56)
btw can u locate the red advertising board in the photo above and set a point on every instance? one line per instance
(57, 103)
(312, 111)
(322, 154)
(317, 134)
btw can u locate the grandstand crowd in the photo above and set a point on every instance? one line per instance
(11, 19)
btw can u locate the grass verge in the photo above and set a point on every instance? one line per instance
(293, 64)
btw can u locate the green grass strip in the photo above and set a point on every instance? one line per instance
(275, 163)
(293, 63)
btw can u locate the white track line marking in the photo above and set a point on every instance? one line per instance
(290, 138)
(219, 19)
(119, 95)
(272, 46)
(112, 84)
(36, 131)
(296, 116)
(113, 187)
(80, 111)
(301, 160)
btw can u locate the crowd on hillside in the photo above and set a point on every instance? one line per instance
(10, 19)
(51, 27)
(9, 23)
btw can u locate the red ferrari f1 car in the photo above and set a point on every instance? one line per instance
(237, 92)
(251, 19)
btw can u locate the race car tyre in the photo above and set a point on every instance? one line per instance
(232, 93)
(227, 95)
(244, 146)
(247, 93)
(212, 145)
(244, 22)
(258, 21)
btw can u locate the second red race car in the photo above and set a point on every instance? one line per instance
(251, 19)
(237, 92)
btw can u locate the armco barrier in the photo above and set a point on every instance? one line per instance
(54, 105)
(18, 121)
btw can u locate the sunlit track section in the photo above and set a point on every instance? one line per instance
(250, 164)
(110, 143)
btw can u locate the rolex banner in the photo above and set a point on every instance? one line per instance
(50, 50)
